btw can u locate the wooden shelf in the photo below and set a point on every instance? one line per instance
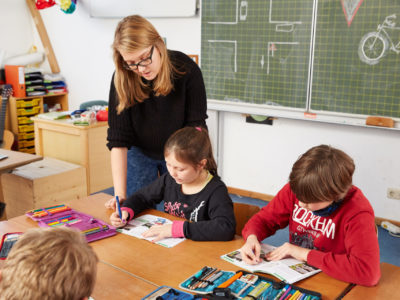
(24, 133)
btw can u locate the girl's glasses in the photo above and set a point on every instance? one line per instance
(143, 63)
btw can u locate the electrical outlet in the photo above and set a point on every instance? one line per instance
(393, 193)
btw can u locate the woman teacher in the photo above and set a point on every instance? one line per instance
(154, 92)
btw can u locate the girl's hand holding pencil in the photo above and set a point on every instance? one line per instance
(116, 221)
(118, 218)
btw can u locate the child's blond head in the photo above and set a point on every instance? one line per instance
(52, 263)
(321, 174)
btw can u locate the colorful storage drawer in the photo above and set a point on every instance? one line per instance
(28, 111)
(26, 128)
(26, 135)
(28, 102)
(24, 120)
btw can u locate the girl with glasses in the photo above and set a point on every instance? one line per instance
(154, 92)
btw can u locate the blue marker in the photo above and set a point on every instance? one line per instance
(119, 207)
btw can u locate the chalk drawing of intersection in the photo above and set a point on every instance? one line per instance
(272, 49)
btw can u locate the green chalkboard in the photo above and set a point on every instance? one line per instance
(307, 55)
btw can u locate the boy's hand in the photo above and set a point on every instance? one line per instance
(117, 221)
(250, 251)
(112, 203)
(288, 250)
(159, 232)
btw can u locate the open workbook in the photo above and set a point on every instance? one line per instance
(289, 270)
(141, 224)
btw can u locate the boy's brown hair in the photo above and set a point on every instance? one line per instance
(51, 263)
(321, 174)
(191, 145)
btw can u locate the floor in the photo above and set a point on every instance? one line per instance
(389, 245)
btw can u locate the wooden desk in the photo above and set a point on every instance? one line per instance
(82, 145)
(16, 159)
(111, 283)
(386, 288)
(170, 266)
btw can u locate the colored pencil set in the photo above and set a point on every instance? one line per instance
(48, 211)
(70, 219)
(244, 285)
(95, 230)
(62, 215)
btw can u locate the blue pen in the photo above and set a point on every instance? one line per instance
(119, 207)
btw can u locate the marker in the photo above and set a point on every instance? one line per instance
(119, 207)
(231, 280)
(286, 293)
(295, 295)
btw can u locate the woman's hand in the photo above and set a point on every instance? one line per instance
(116, 221)
(251, 250)
(288, 250)
(112, 203)
(159, 232)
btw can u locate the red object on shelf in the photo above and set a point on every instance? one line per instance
(102, 115)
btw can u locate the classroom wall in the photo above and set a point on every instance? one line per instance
(252, 157)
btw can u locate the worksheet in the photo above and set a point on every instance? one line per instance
(137, 226)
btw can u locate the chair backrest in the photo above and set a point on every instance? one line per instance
(243, 212)
(87, 104)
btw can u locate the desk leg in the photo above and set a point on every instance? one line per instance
(3, 217)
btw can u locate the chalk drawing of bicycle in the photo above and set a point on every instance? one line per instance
(374, 45)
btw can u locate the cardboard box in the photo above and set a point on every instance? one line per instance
(42, 183)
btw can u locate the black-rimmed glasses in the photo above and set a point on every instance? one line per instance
(143, 63)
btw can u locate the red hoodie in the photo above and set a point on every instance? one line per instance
(344, 244)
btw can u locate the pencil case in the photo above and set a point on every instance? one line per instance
(243, 285)
(63, 215)
(167, 293)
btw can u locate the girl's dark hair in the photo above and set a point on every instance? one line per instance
(191, 145)
(321, 174)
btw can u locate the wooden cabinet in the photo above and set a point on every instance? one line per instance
(82, 145)
(22, 109)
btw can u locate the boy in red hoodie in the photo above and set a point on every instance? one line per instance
(331, 222)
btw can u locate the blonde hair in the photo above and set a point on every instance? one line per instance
(321, 174)
(191, 145)
(52, 263)
(135, 33)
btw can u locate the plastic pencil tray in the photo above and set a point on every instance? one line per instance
(272, 291)
(85, 222)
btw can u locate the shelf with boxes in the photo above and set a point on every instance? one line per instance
(21, 110)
